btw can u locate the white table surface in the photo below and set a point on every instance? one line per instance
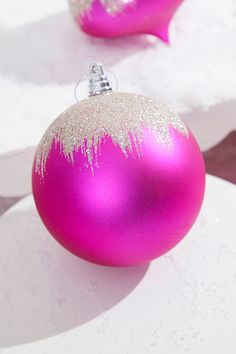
(185, 302)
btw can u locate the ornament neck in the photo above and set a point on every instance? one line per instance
(98, 81)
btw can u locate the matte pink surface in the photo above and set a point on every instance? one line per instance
(144, 16)
(131, 210)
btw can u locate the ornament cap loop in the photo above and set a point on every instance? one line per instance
(98, 81)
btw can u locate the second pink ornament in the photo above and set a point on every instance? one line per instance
(115, 18)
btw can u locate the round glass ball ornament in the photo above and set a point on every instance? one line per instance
(118, 179)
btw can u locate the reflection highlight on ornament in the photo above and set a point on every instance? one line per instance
(106, 195)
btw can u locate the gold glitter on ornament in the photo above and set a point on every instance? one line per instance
(115, 6)
(80, 6)
(122, 116)
(111, 6)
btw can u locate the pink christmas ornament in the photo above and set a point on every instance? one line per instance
(115, 18)
(118, 179)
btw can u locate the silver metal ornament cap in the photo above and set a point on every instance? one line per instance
(98, 81)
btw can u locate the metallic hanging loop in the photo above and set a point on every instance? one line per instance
(98, 82)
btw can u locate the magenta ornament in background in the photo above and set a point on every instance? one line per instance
(118, 179)
(116, 18)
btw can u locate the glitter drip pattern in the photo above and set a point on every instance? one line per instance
(121, 116)
(111, 6)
